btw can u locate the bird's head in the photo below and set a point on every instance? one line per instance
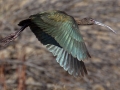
(90, 21)
(87, 21)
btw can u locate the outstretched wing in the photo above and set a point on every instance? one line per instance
(64, 30)
(66, 60)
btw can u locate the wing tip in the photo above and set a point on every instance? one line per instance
(84, 68)
(81, 72)
(23, 22)
(88, 54)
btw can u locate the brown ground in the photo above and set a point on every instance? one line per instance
(43, 72)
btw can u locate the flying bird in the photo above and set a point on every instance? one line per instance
(59, 32)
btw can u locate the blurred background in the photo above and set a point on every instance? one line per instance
(40, 70)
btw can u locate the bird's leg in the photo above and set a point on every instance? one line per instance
(5, 41)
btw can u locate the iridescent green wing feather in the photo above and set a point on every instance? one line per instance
(67, 61)
(64, 30)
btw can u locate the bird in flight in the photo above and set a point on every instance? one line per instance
(59, 32)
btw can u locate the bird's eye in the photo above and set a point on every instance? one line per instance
(91, 19)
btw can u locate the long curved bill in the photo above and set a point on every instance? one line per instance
(101, 24)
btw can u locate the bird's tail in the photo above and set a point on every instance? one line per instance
(6, 40)
(24, 22)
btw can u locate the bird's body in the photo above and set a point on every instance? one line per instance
(60, 34)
